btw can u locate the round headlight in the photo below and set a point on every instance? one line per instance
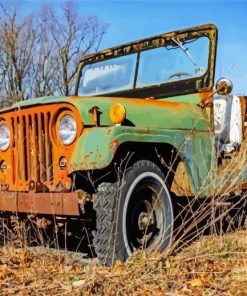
(67, 129)
(4, 137)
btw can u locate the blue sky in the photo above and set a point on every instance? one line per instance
(130, 20)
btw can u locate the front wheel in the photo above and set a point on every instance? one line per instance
(133, 214)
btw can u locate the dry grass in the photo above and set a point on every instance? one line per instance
(214, 265)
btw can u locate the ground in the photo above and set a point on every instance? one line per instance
(212, 265)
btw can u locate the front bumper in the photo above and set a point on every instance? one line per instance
(41, 203)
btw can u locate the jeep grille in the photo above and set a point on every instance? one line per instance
(34, 153)
(32, 148)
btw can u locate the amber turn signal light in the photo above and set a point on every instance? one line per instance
(117, 113)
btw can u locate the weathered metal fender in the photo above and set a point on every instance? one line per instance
(97, 146)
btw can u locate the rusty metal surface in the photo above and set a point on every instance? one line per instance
(151, 42)
(181, 183)
(208, 30)
(243, 101)
(70, 204)
(40, 203)
(32, 160)
(8, 201)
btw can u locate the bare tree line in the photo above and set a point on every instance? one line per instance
(39, 55)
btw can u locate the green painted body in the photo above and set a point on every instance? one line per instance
(177, 121)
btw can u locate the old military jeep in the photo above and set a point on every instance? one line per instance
(146, 125)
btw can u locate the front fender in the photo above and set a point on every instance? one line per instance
(97, 146)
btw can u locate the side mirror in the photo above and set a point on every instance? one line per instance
(224, 86)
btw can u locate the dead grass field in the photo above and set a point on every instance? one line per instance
(213, 265)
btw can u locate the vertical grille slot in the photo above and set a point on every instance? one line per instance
(42, 148)
(48, 150)
(27, 146)
(43, 155)
(31, 148)
(20, 150)
(13, 148)
(16, 154)
(50, 160)
(34, 150)
(26, 150)
(39, 142)
(22, 166)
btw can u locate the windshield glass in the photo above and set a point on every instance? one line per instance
(108, 76)
(179, 61)
(167, 64)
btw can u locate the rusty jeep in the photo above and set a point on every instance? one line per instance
(147, 124)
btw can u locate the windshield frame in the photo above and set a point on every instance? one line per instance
(187, 85)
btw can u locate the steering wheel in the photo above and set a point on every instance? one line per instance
(179, 74)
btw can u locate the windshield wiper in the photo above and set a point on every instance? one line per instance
(184, 49)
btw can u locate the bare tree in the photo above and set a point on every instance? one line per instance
(45, 66)
(73, 38)
(17, 46)
(39, 56)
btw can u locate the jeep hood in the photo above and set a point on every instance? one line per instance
(174, 113)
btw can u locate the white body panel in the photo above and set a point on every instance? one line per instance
(227, 121)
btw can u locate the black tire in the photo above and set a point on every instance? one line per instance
(132, 214)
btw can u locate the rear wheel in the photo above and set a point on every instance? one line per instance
(133, 214)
